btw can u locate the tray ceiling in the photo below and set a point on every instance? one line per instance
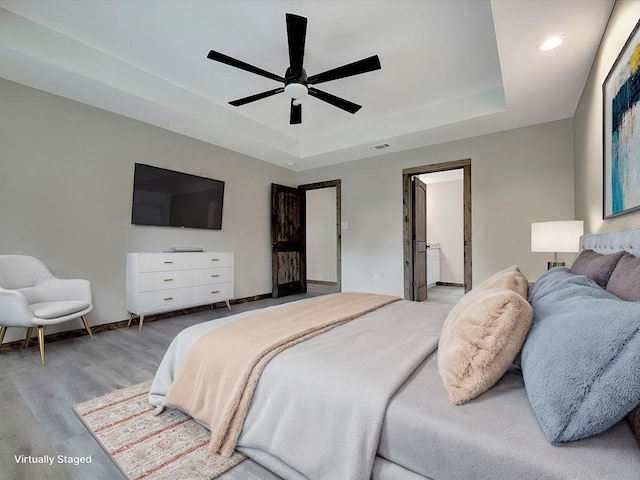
(451, 69)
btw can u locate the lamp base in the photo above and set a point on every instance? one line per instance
(550, 265)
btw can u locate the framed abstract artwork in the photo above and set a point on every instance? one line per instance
(621, 135)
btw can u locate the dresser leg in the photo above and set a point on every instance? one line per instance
(228, 304)
(140, 320)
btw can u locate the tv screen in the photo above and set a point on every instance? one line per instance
(174, 199)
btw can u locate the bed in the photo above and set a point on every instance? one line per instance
(366, 399)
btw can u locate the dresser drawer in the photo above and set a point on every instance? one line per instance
(151, 281)
(212, 259)
(165, 300)
(206, 276)
(213, 293)
(166, 262)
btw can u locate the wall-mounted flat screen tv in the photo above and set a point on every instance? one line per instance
(174, 199)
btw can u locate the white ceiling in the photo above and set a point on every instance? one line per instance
(451, 69)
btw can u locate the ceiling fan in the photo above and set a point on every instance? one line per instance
(295, 80)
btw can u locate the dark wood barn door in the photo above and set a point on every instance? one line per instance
(419, 240)
(288, 258)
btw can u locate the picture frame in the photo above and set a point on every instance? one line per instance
(621, 131)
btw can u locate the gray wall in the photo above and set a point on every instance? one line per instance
(518, 177)
(588, 125)
(66, 176)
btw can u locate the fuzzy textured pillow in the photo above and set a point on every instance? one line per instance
(483, 334)
(625, 279)
(510, 278)
(581, 359)
(596, 266)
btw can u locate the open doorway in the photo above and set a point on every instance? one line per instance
(417, 264)
(445, 227)
(323, 237)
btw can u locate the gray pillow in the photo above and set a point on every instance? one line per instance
(597, 266)
(581, 358)
(625, 279)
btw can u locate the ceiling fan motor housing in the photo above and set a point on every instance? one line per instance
(295, 83)
(295, 77)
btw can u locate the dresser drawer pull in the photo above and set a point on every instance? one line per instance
(216, 291)
(168, 298)
(168, 279)
(168, 261)
(215, 276)
(215, 259)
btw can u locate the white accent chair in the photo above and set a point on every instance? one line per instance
(30, 296)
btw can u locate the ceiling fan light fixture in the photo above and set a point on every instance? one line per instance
(296, 90)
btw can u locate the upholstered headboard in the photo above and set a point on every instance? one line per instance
(609, 242)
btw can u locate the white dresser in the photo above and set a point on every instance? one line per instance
(161, 282)
(433, 266)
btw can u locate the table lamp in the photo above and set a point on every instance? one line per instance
(559, 236)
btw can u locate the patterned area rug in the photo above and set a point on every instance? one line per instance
(167, 447)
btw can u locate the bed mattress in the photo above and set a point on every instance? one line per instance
(495, 436)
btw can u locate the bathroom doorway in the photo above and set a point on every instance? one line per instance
(414, 263)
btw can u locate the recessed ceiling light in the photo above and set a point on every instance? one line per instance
(551, 43)
(291, 164)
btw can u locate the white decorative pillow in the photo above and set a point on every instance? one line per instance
(482, 335)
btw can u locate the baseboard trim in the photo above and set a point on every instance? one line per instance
(105, 327)
(450, 284)
(322, 282)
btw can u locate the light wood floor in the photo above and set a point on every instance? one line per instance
(36, 416)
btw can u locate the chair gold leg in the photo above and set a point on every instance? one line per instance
(26, 340)
(41, 342)
(86, 325)
(130, 320)
(141, 321)
(3, 330)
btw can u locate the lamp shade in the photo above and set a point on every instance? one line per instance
(561, 236)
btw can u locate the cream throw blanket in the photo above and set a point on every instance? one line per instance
(218, 376)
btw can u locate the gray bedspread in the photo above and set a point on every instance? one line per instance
(331, 394)
(300, 399)
(305, 417)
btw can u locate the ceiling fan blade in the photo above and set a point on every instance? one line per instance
(257, 96)
(356, 68)
(296, 34)
(222, 58)
(295, 117)
(335, 101)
